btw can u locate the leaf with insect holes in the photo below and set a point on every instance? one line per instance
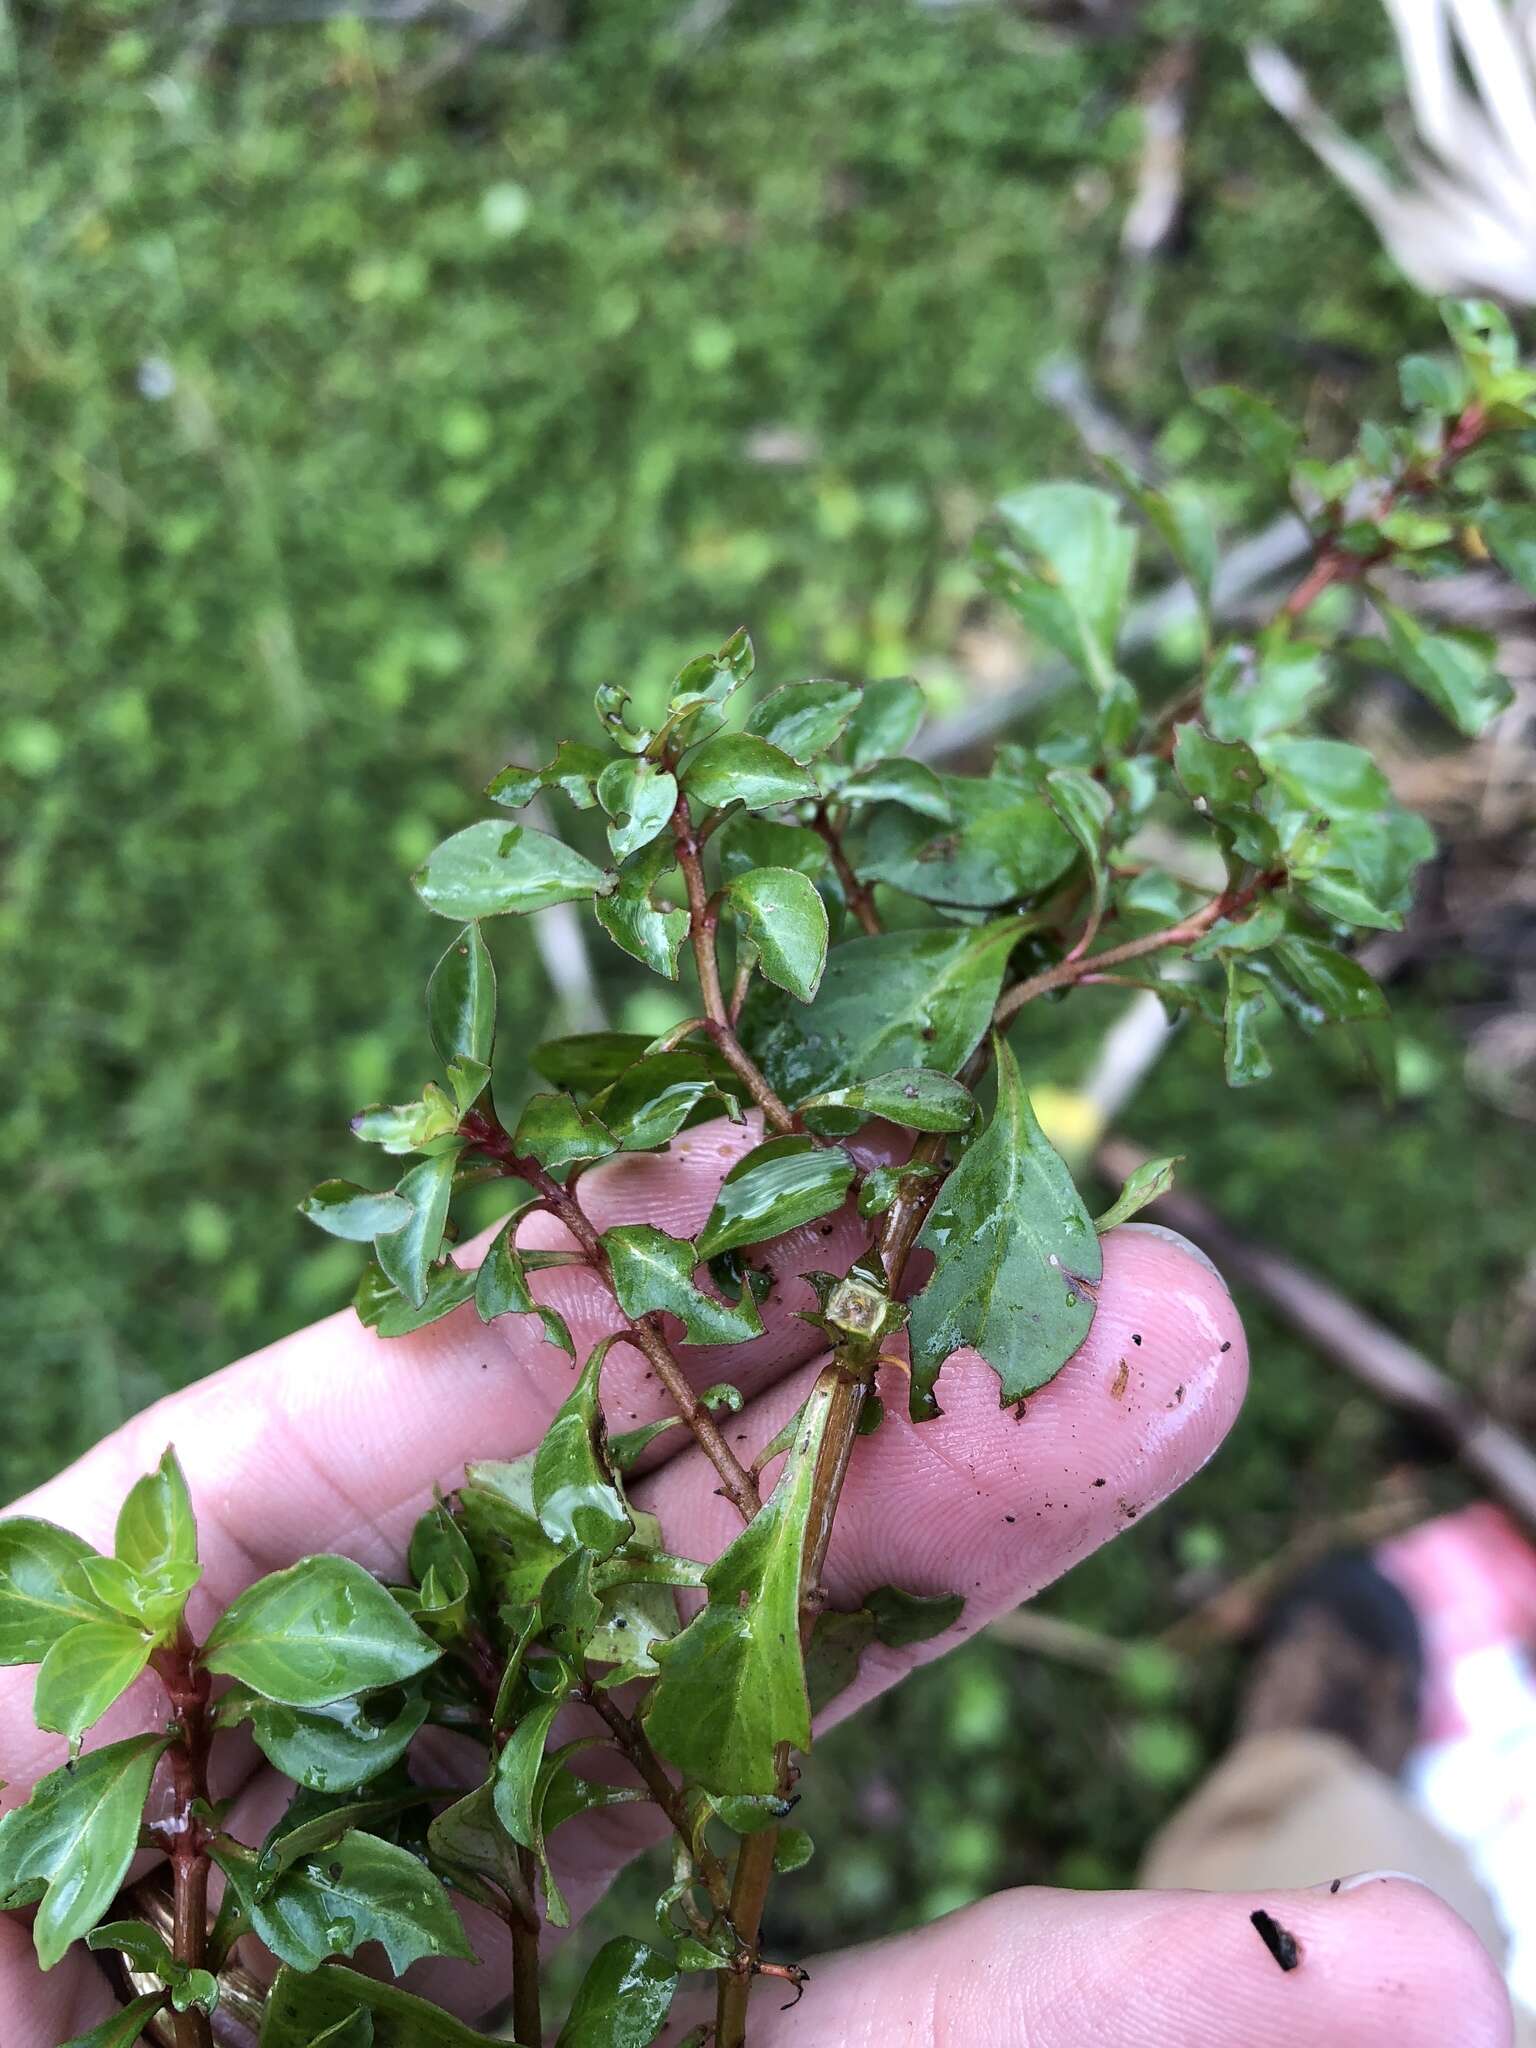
(556, 1131)
(192, 1990)
(639, 799)
(773, 1188)
(461, 1000)
(1146, 1183)
(913, 1097)
(1016, 1256)
(804, 719)
(700, 691)
(904, 999)
(501, 1286)
(651, 1101)
(732, 1684)
(332, 1748)
(70, 1845)
(648, 931)
(492, 868)
(358, 1889)
(1002, 844)
(42, 1594)
(738, 768)
(573, 771)
(624, 1999)
(654, 1271)
(574, 1493)
(780, 911)
(317, 1632)
(382, 1307)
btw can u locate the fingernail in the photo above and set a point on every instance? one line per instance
(1340, 1885)
(1177, 1237)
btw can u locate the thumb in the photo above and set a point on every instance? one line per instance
(1379, 1964)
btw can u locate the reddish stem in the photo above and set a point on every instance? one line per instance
(186, 1689)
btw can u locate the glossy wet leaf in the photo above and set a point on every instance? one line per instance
(332, 1748)
(804, 719)
(342, 1209)
(359, 1889)
(780, 911)
(1255, 930)
(408, 1126)
(639, 799)
(911, 784)
(85, 1671)
(588, 1060)
(1152, 1179)
(70, 1846)
(654, 1271)
(1016, 1256)
(748, 841)
(300, 2008)
(121, 2029)
(736, 767)
(1351, 848)
(510, 1546)
(1245, 1058)
(574, 1494)
(1455, 669)
(382, 1307)
(1087, 810)
(651, 1101)
(468, 1844)
(887, 720)
(701, 690)
(771, 1189)
(461, 1000)
(1069, 557)
(406, 1255)
(882, 1184)
(904, 999)
(491, 868)
(573, 771)
(649, 927)
(356, 2031)
(914, 1097)
(732, 1684)
(517, 1772)
(42, 1595)
(145, 1949)
(1002, 844)
(316, 1632)
(556, 1131)
(501, 1287)
(623, 2000)
(1340, 987)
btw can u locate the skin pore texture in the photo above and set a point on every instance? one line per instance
(334, 1439)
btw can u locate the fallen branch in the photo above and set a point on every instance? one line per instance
(1387, 1367)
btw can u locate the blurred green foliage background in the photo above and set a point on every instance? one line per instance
(358, 421)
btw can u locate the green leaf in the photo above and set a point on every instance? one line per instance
(805, 719)
(747, 841)
(1252, 692)
(1510, 531)
(625, 1450)
(652, 1100)
(574, 1494)
(71, 1844)
(1070, 564)
(146, 1952)
(902, 1619)
(1245, 1058)
(356, 2031)
(904, 999)
(501, 1287)
(701, 690)
(1179, 518)
(887, 720)
(1149, 1181)
(654, 1271)
(343, 1209)
(771, 1189)
(639, 799)
(316, 1632)
(156, 1526)
(732, 1684)
(623, 2000)
(359, 1889)
(650, 932)
(1339, 986)
(1454, 669)
(882, 1184)
(42, 1597)
(1436, 384)
(1350, 847)
(588, 1061)
(573, 771)
(1217, 774)
(517, 1772)
(1087, 810)
(914, 1097)
(612, 703)
(1483, 337)
(405, 1255)
(333, 1748)
(408, 1126)
(1268, 439)
(1249, 934)
(493, 867)
(513, 1552)
(909, 783)
(301, 2008)
(786, 920)
(123, 2028)
(85, 1671)
(382, 1307)
(461, 1000)
(1016, 1256)
(555, 1131)
(1003, 844)
(468, 1843)
(737, 767)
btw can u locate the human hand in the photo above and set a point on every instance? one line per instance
(332, 1440)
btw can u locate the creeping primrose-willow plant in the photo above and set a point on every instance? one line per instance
(867, 937)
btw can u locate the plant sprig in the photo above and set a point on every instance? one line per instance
(866, 936)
